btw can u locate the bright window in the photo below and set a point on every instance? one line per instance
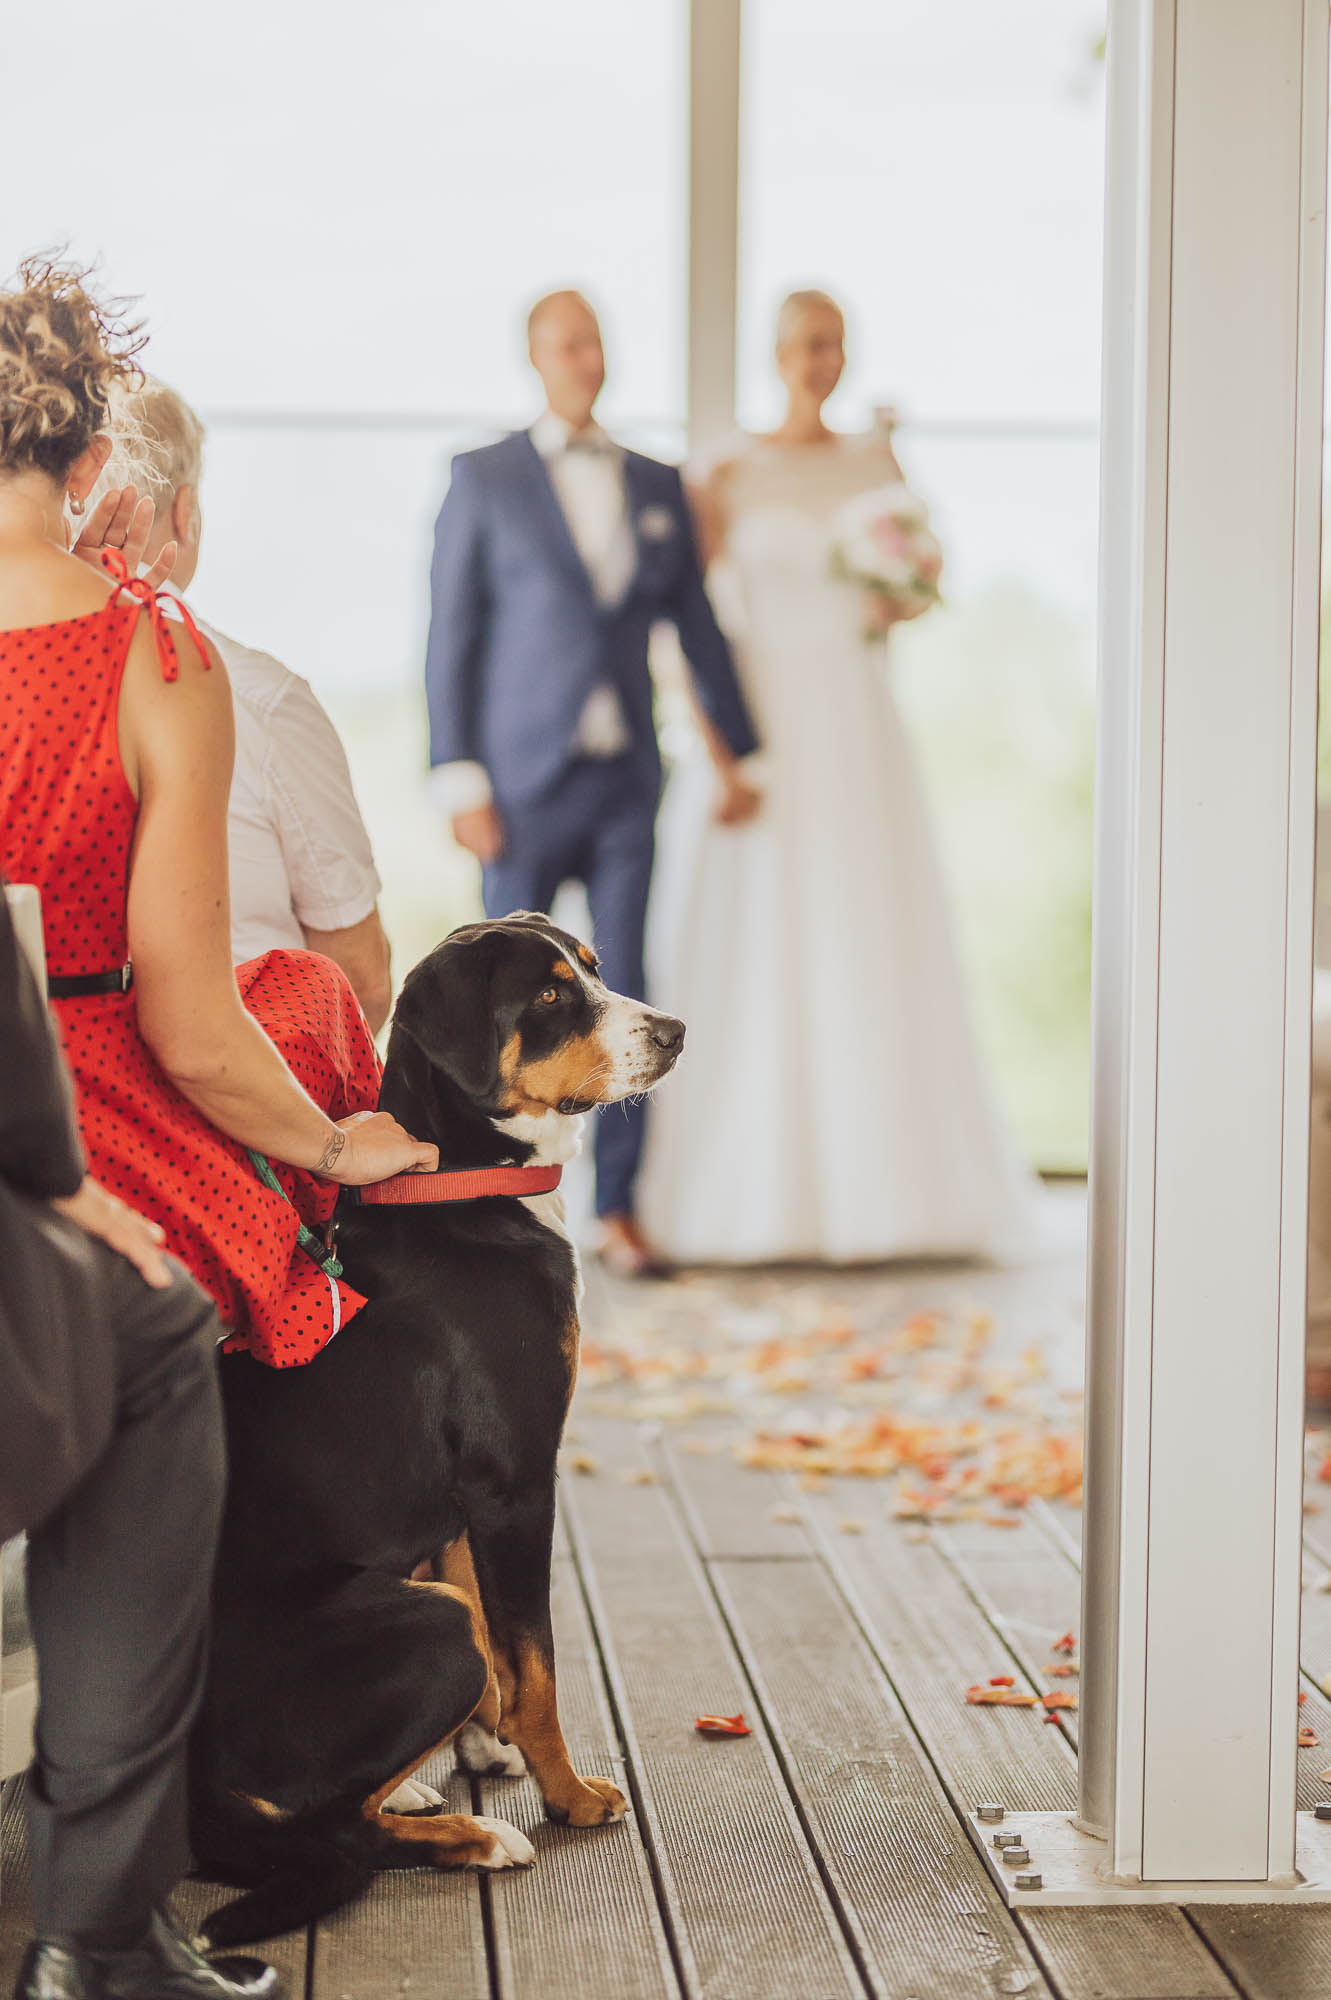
(940, 170)
(336, 218)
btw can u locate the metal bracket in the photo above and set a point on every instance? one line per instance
(1071, 1866)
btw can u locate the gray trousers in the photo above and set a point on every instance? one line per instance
(118, 1587)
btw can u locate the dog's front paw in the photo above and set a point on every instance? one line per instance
(485, 1756)
(509, 1848)
(595, 1803)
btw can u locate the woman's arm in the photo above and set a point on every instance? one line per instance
(177, 745)
(737, 800)
(707, 506)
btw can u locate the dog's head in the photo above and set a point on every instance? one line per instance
(516, 1013)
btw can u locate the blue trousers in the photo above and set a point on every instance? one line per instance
(598, 828)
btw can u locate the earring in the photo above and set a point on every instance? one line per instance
(76, 506)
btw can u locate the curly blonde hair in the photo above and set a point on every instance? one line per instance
(62, 352)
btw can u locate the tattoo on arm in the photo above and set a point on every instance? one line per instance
(332, 1152)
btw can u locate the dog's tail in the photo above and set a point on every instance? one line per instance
(294, 1870)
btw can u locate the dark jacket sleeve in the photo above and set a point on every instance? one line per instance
(458, 605)
(40, 1152)
(705, 647)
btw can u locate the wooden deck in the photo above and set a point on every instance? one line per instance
(823, 1855)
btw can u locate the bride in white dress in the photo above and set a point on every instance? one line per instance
(830, 1104)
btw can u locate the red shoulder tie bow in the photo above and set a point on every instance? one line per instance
(113, 562)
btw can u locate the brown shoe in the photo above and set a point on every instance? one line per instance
(626, 1252)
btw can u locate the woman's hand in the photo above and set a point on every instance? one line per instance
(120, 520)
(374, 1148)
(737, 801)
(107, 1218)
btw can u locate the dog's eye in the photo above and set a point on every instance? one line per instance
(548, 998)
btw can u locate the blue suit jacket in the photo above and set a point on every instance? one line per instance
(518, 638)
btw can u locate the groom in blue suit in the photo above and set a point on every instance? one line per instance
(555, 553)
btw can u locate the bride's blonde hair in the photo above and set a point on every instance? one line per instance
(62, 352)
(796, 303)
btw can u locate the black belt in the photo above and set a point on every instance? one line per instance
(73, 985)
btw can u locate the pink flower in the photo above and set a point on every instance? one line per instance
(889, 534)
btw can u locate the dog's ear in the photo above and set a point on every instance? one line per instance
(446, 1008)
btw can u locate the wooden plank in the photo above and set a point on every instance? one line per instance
(584, 1920)
(1027, 1585)
(192, 1901)
(749, 1912)
(1026, 1588)
(934, 1641)
(731, 1508)
(1283, 1954)
(15, 1906)
(412, 1933)
(1150, 1954)
(1274, 1954)
(417, 1931)
(920, 1903)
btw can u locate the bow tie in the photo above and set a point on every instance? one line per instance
(595, 444)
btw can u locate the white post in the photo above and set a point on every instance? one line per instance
(714, 107)
(1211, 493)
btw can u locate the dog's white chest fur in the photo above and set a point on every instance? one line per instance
(557, 1140)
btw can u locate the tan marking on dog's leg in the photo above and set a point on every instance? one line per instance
(462, 1840)
(460, 1578)
(489, 1708)
(531, 1720)
(571, 1343)
(477, 1745)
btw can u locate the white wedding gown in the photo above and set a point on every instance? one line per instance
(830, 1102)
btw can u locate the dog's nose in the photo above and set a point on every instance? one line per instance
(668, 1035)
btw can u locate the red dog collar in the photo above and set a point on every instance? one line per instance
(468, 1184)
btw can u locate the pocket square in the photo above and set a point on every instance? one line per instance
(657, 524)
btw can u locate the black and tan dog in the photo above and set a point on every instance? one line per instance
(430, 1424)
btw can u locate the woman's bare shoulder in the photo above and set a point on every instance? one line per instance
(713, 471)
(43, 586)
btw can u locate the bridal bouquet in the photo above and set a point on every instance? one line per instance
(885, 545)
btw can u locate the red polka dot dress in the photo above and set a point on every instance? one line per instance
(67, 820)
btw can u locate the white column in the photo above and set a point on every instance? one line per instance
(1211, 490)
(714, 109)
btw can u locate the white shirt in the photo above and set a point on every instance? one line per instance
(587, 473)
(300, 854)
(586, 469)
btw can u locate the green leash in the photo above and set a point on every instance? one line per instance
(306, 1238)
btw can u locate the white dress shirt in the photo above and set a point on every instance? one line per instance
(300, 854)
(586, 469)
